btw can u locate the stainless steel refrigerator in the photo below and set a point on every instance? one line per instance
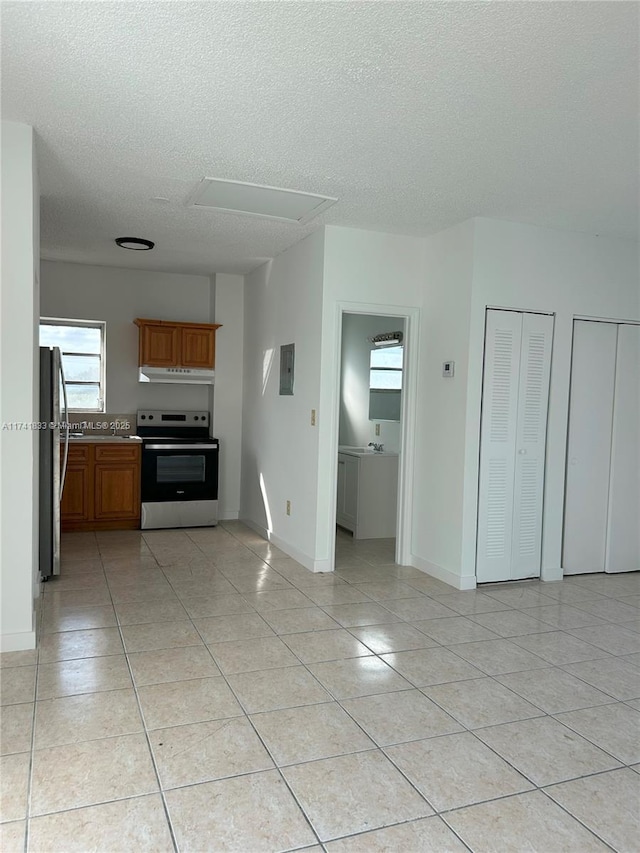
(54, 447)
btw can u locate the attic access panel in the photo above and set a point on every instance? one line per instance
(258, 200)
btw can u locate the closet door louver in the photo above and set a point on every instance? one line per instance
(531, 433)
(512, 446)
(497, 443)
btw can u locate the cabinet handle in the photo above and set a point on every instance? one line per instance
(340, 462)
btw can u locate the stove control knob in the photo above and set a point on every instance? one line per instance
(143, 417)
(195, 417)
(150, 417)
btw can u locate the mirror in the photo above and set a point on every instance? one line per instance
(385, 383)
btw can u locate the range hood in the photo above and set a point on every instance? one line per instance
(176, 375)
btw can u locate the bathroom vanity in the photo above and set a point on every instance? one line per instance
(367, 492)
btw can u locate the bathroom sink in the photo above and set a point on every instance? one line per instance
(365, 451)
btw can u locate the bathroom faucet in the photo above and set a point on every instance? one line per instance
(376, 447)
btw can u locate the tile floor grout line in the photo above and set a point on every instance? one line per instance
(266, 748)
(588, 739)
(500, 757)
(400, 621)
(375, 748)
(32, 750)
(146, 735)
(575, 817)
(450, 812)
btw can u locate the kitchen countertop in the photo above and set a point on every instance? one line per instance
(104, 439)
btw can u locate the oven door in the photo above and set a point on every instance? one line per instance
(179, 472)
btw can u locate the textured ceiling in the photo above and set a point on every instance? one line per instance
(416, 115)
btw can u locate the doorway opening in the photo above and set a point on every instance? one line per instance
(371, 395)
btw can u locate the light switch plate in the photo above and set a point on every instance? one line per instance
(448, 369)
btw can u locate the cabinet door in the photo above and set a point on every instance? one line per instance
(198, 347)
(76, 495)
(160, 345)
(341, 481)
(351, 492)
(117, 491)
(347, 503)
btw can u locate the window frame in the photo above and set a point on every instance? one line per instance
(85, 324)
(399, 370)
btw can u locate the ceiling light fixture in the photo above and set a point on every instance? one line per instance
(387, 339)
(136, 244)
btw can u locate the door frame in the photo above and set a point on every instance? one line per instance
(411, 318)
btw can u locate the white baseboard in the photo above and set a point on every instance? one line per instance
(228, 515)
(20, 642)
(302, 558)
(258, 528)
(441, 574)
(555, 574)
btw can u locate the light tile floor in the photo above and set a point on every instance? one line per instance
(199, 690)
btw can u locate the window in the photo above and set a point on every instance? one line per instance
(81, 343)
(386, 369)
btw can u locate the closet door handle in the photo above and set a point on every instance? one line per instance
(522, 451)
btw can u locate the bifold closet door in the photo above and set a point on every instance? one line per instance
(623, 529)
(593, 370)
(512, 444)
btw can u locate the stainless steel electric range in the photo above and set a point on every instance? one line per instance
(179, 469)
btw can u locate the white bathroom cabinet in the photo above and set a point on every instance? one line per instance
(367, 493)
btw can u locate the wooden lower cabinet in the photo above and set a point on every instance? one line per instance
(76, 497)
(102, 487)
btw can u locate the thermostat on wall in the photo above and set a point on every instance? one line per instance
(448, 368)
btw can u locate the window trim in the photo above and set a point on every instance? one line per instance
(87, 324)
(399, 370)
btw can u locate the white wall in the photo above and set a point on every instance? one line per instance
(440, 462)
(117, 296)
(528, 268)
(227, 412)
(19, 388)
(355, 427)
(283, 305)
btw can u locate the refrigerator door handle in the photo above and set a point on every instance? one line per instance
(66, 422)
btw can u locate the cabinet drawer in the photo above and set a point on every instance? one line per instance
(117, 453)
(78, 453)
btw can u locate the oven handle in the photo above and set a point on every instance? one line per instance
(185, 447)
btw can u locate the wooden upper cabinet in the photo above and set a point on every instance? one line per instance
(198, 347)
(159, 345)
(166, 344)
